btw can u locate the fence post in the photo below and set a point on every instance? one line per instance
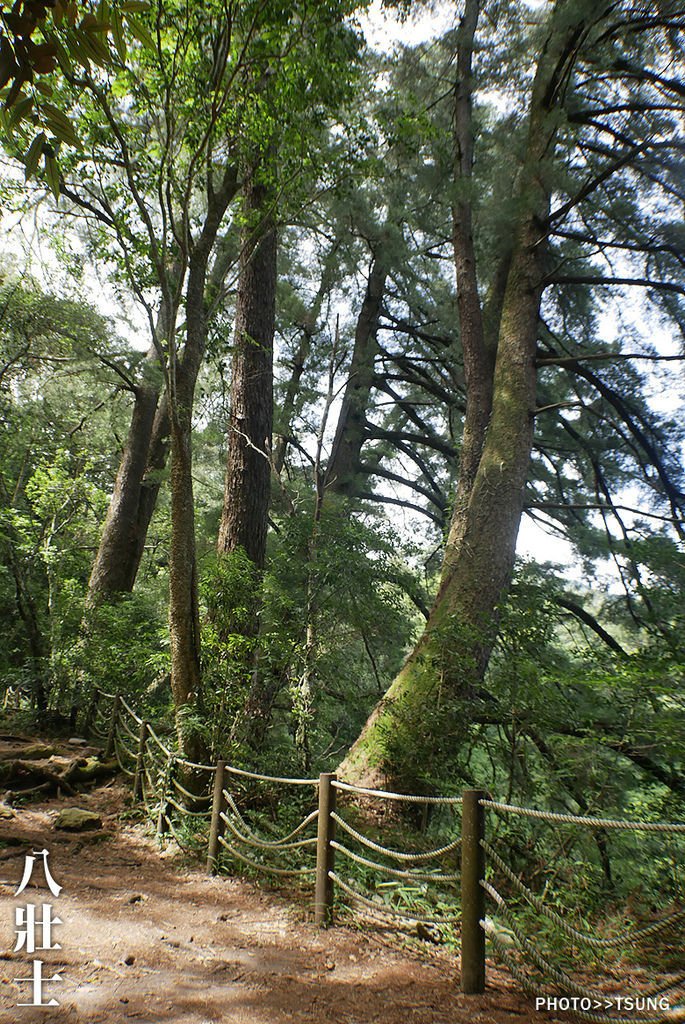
(325, 854)
(109, 746)
(217, 826)
(138, 777)
(91, 712)
(472, 892)
(167, 783)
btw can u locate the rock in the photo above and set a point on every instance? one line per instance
(6, 812)
(76, 741)
(75, 819)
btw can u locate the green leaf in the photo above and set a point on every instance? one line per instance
(23, 106)
(60, 125)
(93, 46)
(142, 34)
(118, 35)
(33, 155)
(52, 174)
(63, 57)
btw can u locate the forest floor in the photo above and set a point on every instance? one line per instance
(146, 937)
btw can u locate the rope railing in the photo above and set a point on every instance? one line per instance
(582, 1001)
(186, 792)
(415, 876)
(538, 904)
(383, 909)
(170, 788)
(575, 819)
(268, 869)
(282, 843)
(582, 1006)
(383, 794)
(414, 855)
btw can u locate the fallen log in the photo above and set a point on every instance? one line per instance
(23, 777)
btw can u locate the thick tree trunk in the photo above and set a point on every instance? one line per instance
(428, 703)
(344, 465)
(247, 489)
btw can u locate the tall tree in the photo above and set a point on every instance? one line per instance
(579, 47)
(244, 518)
(173, 119)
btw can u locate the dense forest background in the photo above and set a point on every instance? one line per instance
(264, 454)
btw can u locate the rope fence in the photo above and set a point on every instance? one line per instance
(540, 973)
(238, 815)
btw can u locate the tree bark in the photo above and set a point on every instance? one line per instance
(244, 519)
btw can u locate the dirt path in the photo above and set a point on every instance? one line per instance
(144, 938)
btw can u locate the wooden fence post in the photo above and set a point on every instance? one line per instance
(325, 854)
(111, 735)
(91, 712)
(216, 828)
(472, 892)
(140, 762)
(167, 783)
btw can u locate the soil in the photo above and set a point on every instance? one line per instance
(146, 937)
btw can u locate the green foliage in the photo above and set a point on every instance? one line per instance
(72, 38)
(351, 596)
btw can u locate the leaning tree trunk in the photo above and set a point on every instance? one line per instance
(430, 698)
(134, 497)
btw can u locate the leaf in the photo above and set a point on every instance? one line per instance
(60, 125)
(44, 64)
(52, 174)
(45, 87)
(20, 109)
(89, 23)
(15, 90)
(93, 47)
(142, 34)
(64, 58)
(118, 35)
(134, 6)
(33, 155)
(19, 25)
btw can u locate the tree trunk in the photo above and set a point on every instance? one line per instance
(247, 489)
(184, 620)
(134, 497)
(344, 465)
(428, 703)
(283, 427)
(247, 486)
